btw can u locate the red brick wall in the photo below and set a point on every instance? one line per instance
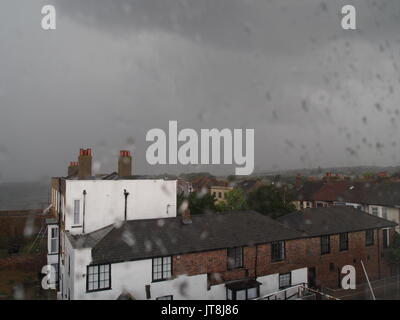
(299, 254)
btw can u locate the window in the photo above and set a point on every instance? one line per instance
(385, 238)
(325, 244)
(344, 241)
(219, 195)
(170, 297)
(98, 277)
(162, 268)
(384, 213)
(76, 211)
(375, 211)
(235, 258)
(277, 251)
(285, 280)
(54, 240)
(243, 294)
(369, 237)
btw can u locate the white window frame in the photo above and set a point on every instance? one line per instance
(53, 241)
(373, 211)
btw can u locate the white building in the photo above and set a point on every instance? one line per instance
(120, 237)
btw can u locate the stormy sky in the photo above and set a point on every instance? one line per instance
(316, 95)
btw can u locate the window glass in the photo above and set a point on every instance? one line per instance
(235, 258)
(252, 293)
(344, 241)
(278, 251)
(385, 238)
(325, 245)
(162, 268)
(241, 295)
(98, 277)
(284, 280)
(369, 237)
(76, 211)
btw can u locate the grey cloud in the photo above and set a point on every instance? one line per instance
(114, 69)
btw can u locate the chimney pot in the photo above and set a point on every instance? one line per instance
(186, 216)
(85, 163)
(73, 169)
(125, 163)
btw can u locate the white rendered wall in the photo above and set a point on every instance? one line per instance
(105, 201)
(133, 277)
(392, 214)
(270, 283)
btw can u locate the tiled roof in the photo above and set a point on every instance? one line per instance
(143, 239)
(332, 220)
(383, 193)
(306, 190)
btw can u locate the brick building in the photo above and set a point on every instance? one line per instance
(338, 236)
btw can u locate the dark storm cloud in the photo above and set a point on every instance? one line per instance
(317, 95)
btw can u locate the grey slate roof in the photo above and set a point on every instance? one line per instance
(332, 220)
(89, 240)
(307, 189)
(142, 239)
(384, 194)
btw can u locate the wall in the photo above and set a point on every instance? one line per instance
(393, 214)
(133, 278)
(270, 283)
(105, 201)
(375, 260)
(299, 254)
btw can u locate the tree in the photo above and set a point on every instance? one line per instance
(271, 200)
(235, 201)
(198, 202)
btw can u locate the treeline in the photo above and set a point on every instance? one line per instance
(270, 200)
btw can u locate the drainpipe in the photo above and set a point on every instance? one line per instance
(59, 235)
(84, 209)
(379, 255)
(255, 266)
(126, 194)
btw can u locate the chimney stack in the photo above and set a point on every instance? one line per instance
(186, 216)
(125, 163)
(85, 163)
(73, 169)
